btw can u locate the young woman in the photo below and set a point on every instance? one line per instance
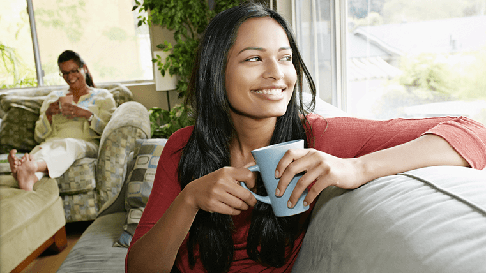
(244, 91)
(66, 131)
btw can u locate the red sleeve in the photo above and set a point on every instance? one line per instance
(166, 184)
(348, 137)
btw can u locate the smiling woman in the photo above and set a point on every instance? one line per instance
(260, 76)
(248, 74)
(69, 125)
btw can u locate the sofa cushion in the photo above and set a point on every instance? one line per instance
(80, 177)
(81, 206)
(139, 184)
(426, 220)
(94, 252)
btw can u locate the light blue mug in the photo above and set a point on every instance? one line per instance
(267, 159)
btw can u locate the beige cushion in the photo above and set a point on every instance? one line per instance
(27, 219)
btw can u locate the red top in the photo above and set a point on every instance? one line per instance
(343, 137)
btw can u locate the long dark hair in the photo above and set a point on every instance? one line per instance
(208, 150)
(68, 55)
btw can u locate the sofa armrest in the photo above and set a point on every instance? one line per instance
(129, 122)
(426, 220)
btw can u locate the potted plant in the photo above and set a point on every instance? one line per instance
(188, 20)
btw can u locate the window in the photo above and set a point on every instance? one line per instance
(397, 58)
(104, 33)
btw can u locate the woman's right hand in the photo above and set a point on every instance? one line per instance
(52, 110)
(220, 191)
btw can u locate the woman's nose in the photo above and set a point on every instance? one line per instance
(71, 75)
(273, 70)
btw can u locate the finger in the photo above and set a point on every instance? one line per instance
(221, 201)
(316, 189)
(236, 176)
(302, 185)
(243, 195)
(290, 156)
(223, 209)
(301, 163)
(243, 175)
(234, 199)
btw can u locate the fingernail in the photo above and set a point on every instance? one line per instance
(277, 192)
(305, 204)
(289, 204)
(277, 174)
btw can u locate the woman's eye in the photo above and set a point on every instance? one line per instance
(287, 58)
(253, 59)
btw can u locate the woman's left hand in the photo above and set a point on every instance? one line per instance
(325, 169)
(71, 111)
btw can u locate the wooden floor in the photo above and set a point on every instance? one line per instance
(48, 261)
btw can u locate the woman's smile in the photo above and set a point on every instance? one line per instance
(271, 93)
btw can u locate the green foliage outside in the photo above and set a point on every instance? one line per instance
(429, 78)
(164, 123)
(11, 64)
(426, 78)
(426, 72)
(458, 76)
(188, 20)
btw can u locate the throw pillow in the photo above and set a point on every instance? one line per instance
(17, 130)
(139, 184)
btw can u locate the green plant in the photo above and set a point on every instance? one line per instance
(187, 19)
(11, 65)
(164, 123)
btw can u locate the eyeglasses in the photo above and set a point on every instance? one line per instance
(66, 73)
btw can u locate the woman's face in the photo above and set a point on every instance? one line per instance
(74, 75)
(260, 76)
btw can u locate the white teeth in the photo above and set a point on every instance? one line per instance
(269, 91)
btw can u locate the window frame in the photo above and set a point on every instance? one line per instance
(38, 63)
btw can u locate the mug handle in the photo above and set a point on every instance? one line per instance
(264, 199)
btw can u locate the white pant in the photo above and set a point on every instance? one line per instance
(60, 153)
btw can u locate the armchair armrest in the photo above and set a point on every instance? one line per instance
(129, 122)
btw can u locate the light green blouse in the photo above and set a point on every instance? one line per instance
(99, 101)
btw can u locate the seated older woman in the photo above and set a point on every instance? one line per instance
(69, 126)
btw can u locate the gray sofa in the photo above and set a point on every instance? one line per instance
(426, 220)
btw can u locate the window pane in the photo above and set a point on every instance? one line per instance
(416, 58)
(104, 33)
(17, 66)
(313, 34)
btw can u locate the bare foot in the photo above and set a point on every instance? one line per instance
(26, 173)
(14, 162)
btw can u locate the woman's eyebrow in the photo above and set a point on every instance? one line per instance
(263, 49)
